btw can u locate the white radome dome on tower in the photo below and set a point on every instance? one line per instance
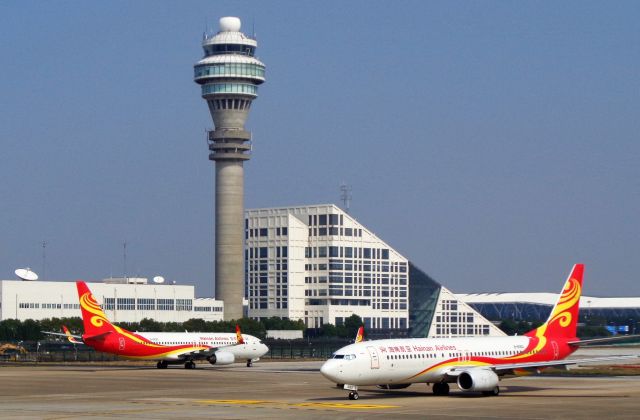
(230, 24)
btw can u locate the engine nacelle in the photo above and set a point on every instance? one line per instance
(478, 380)
(221, 358)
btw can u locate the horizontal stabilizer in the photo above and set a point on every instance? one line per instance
(603, 340)
(97, 337)
(74, 337)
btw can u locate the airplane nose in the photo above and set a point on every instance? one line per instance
(328, 370)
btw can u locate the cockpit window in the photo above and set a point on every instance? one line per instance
(344, 356)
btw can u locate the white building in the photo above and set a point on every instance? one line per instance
(318, 264)
(121, 302)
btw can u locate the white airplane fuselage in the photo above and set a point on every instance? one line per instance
(425, 360)
(251, 349)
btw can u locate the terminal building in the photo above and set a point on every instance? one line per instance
(123, 300)
(318, 264)
(537, 306)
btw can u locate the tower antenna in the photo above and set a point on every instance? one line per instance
(44, 259)
(345, 196)
(124, 258)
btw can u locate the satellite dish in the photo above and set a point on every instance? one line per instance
(158, 279)
(26, 274)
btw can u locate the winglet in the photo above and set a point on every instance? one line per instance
(239, 335)
(70, 337)
(360, 335)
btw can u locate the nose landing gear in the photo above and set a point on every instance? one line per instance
(353, 395)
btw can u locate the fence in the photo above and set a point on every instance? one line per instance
(57, 352)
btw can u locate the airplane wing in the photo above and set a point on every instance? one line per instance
(504, 369)
(603, 340)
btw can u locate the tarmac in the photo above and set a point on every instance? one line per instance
(292, 389)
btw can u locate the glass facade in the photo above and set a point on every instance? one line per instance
(424, 292)
(241, 88)
(230, 70)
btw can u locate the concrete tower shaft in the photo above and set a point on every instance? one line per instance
(229, 76)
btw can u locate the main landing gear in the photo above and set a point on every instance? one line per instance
(495, 391)
(189, 364)
(441, 388)
(249, 363)
(162, 364)
(353, 395)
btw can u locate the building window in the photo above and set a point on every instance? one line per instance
(183, 304)
(109, 304)
(165, 304)
(126, 304)
(145, 304)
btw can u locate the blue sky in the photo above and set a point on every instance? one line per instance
(494, 144)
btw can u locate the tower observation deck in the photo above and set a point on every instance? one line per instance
(229, 76)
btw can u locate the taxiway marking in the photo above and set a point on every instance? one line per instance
(265, 403)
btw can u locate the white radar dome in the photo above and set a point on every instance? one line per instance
(230, 24)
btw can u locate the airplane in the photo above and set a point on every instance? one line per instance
(359, 335)
(474, 363)
(165, 347)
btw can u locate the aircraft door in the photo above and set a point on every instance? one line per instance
(373, 354)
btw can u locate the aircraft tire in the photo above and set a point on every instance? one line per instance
(441, 388)
(249, 363)
(353, 395)
(494, 392)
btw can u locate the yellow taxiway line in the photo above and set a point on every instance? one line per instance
(265, 403)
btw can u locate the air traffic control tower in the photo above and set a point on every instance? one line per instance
(229, 75)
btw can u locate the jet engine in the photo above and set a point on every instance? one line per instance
(221, 358)
(478, 380)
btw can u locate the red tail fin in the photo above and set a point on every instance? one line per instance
(239, 335)
(564, 317)
(94, 320)
(360, 335)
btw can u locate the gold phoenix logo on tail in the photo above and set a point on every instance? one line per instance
(360, 335)
(570, 296)
(89, 304)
